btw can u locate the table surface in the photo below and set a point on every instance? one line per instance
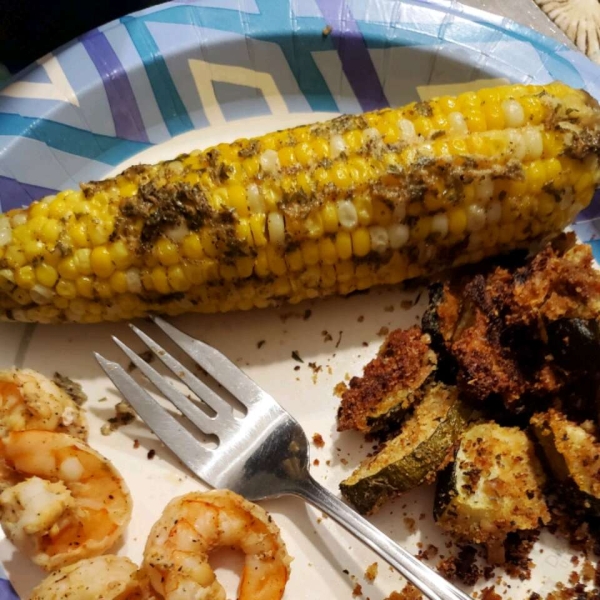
(525, 12)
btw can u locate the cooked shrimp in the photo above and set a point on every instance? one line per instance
(192, 526)
(70, 503)
(100, 578)
(28, 400)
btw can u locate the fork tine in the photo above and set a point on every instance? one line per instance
(181, 442)
(199, 388)
(197, 416)
(217, 365)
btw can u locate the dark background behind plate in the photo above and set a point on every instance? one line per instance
(31, 28)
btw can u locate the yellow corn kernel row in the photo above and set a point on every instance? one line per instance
(315, 210)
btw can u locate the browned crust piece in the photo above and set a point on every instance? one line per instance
(488, 364)
(496, 317)
(555, 284)
(403, 362)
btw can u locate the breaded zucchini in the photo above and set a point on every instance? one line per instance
(493, 488)
(390, 384)
(573, 455)
(423, 447)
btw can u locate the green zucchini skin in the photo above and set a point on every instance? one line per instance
(367, 493)
(574, 343)
(431, 323)
(545, 429)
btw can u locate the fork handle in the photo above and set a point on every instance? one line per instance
(430, 583)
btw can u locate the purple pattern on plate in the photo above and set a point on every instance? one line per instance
(354, 54)
(15, 195)
(123, 105)
(592, 211)
(7, 592)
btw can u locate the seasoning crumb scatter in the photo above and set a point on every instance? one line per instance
(307, 314)
(136, 444)
(337, 344)
(357, 591)
(389, 308)
(316, 462)
(371, 572)
(327, 30)
(327, 337)
(260, 344)
(72, 388)
(383, 331)
(361, 318)
(296, 356)
(489, 593)
(151, 453)
(408, 592)
(297, 368)
(146, 356)
(318, 440)
(410, 524)
(124, 415)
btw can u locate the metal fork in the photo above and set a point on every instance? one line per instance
(265, 454)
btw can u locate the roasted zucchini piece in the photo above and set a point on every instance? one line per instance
(493, 488)
(573, 455)
(423, 447)
(440, 320)
(389, 387)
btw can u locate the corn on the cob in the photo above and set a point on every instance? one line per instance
(320, 209)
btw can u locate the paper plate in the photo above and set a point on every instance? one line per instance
(190, 73)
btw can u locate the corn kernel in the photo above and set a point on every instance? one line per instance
(287, 157)
(67, 268)
(84, 287)
(251, 166)
(320, 148)
(66, 289)
(310, 252)
(327, 251)
(382, 214)
(25, 277)
(457, 221)
(261, 263)
(340, 176)
(101, 262)
(160, 281)
(50, 231)
(32, 249)
(314, 225)
(177, 278)
(120, 254)
(304, 153)
(118, 282)
(294, 260)
(329, 217)
(15, 257)
(99, 232)
(257, 227)
(364, 209)
(421, 229)
(244, 266)
(39, 210)
(353, 140)
(46, 275)
(361, 242)
(343, 245)
(277, 264)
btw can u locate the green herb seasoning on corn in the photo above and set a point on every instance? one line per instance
(316, 210)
